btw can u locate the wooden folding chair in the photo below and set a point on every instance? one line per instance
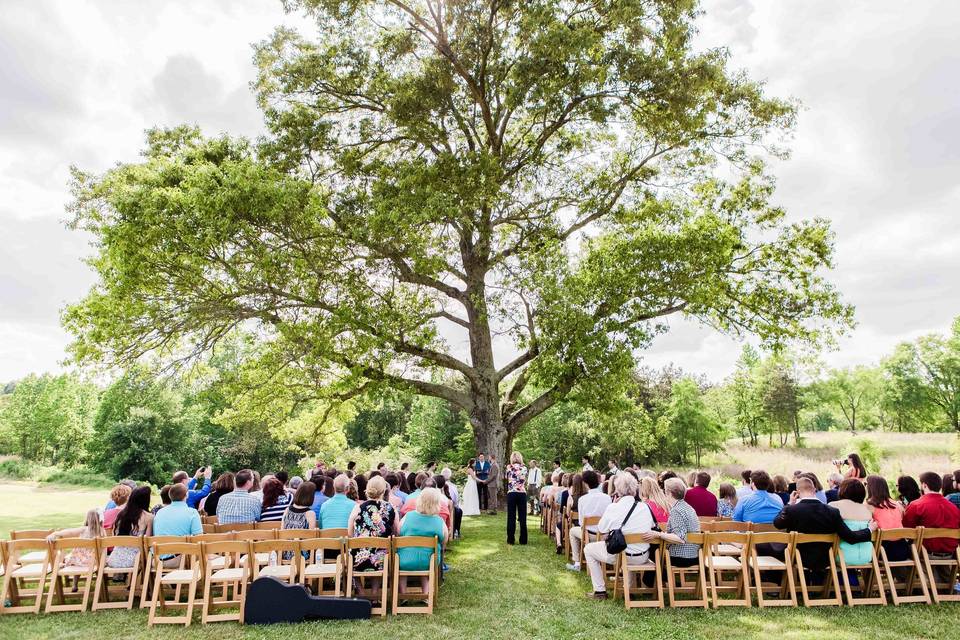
(101, 590)
(332, 533)
(698, 590)
(283, 559)
(952, 564)
(272, 524)
(148, 565)
(830, 582)
(31, 557)
(222, 568)
(427, 593)
(913, 568)
(767, 564)
(253, 535)
(316, 567)
(763, 527)
(870, 578)
(209, 520)
(190, 556)
(383, 575)
(633, 587)
(19, 574)
(236, 526)
(719, 564)
(61, 550)
(209, 527)
(589, 521)
(729, 526)
(568, 521)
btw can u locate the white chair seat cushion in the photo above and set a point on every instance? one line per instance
(73, 570)
(262, 559)
(29, 571)
(33, 557)
(725, 562)
(278, 571)
(219, 562)
(769, 562)
(325, 569)
(225, 575)
(179, 575)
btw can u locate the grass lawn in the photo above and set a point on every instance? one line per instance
(496, 591)
(26, 505)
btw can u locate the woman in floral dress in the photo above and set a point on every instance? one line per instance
(373, 518)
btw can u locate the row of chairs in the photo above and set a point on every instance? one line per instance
(740, 563)
(219, 564)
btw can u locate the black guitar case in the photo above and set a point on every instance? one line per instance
(270, 601)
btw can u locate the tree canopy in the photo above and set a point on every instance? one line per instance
(550, 178)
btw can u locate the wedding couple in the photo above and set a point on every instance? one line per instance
(476, 494)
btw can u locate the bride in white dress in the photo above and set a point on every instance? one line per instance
(470, 502)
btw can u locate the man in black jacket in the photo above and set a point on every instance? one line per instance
(806, 514)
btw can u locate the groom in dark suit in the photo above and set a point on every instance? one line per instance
(482, 468)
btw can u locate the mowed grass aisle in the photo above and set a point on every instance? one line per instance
(501, 592)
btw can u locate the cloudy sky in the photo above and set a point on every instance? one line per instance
(877, 149)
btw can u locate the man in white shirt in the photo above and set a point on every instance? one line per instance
(612, 468)
(594, 504)
(619, 516)
(534, 480)
(586, 463)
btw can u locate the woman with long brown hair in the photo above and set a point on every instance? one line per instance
(888, 514)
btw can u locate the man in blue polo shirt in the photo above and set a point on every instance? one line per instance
(335, 512)
(176, 519)
(761, 506)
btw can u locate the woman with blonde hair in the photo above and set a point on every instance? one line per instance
(424, 521)
(91, 529)
(516, 475)
(119, 495)
(652, 494)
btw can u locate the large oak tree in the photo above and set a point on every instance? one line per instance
(446, 181)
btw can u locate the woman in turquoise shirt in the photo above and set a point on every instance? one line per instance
(856, 515)
(425, 521)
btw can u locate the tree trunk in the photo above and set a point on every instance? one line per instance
(490, 437)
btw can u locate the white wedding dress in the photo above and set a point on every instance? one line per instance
(470, 502)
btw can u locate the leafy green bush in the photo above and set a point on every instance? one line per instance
(79, 476)
(17, 469)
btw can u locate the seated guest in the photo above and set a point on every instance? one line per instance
(653, 496)
(194, 495)
(820, 493)
(446, 504)
(134, 520)
(856, 515)
(447, 473)
(948, 487)
(119, 496)
(888, 515)
(833, 487)
(933, 511)
(239, 506)
(781, 488)
(745, 487)
(759, 505)
(629, 515)
(92, 528)
(410, 504)
(177, 519)
(373, 518)
(335, 512)
(683, 520)
(449, 491)
(703, 502)
(164, 499)
(563, 499)
(127, 481)
(728, 500)
(396, 497)
(275, 501)
(907, 489)
(793, 484)
(284, 479)
(806, 514)
(593, 504)
(424, 521)
(295, 483)
(954, 497)
(223, 486)
(360, 486)
(319, 497)
(299, 513)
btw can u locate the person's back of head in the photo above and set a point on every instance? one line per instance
(908, 488)
(428, 482)
(244, 479)
(129, 517)
(761, 480)
(666, 475)
(351, 465)
(728, 492)
(178, 492)
(376, 489)
(393, 480)
(295, 482)
(852, 489)
(675, 488)
(780, 484)
(180, 476)
(421, 477)
(304, 495)
(165, 494)
(812, 477)
(282, 476)
(834, 480)
(119, 494)
(947, 486)
(746, 475)
(341, 483)
(591, 478)
(625, 484)
(446, 472)
(703, 479)
(878, 493)
(930, 482)
(428, 503)
(806, 488)
(93, 525)
(226, 482)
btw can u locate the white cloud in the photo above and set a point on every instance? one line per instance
(876, 150)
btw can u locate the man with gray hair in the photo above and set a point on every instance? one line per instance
(833, 481)
(335, 512)
(630, 516)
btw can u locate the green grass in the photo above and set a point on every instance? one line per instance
(26, 505)
(496, 591)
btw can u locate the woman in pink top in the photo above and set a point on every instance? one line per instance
(888, 514)
(652, 494)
